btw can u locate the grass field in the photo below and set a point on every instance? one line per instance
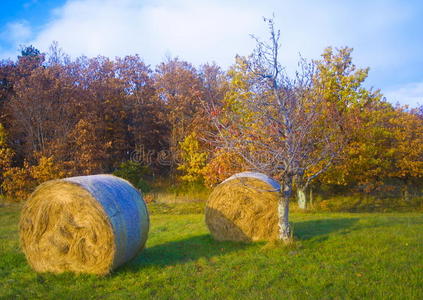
(336, 256)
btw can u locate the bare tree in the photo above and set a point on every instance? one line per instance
(283, 128)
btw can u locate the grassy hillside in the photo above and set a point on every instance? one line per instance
(337, 256)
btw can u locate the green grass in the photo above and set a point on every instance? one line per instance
(336, 256)
(178, 194)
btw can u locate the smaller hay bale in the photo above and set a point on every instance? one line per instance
(243, 208)
(87, 224)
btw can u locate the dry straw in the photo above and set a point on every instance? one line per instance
(88, 224)
(243, 208)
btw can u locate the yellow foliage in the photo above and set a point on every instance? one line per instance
(46, 170)
(18, 182)
(239, 93)
(386, 145)
(193, 160)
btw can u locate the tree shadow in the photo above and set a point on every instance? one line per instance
(181, 251)
(205, 246)
(320, 228)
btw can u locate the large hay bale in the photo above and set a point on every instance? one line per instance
(88, 224)
(244, 208)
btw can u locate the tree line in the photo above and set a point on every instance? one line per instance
(63, 117)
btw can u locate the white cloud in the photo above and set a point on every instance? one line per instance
(16, 32)
(216, 30)
(14, 35)
(197, 31)
(410, 94)
(201, 31)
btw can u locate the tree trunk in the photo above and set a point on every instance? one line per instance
(301, 197)
(311, 197)
(285, 233)
(406, 191)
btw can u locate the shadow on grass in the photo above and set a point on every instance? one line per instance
(182, 251)
(204, 246)
(320, 228)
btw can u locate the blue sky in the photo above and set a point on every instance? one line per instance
(387, 35)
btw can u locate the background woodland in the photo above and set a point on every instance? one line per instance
(66, 117)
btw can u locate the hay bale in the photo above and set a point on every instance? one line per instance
(243, 208)
(88, 224)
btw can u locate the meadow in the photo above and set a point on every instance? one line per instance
(335, 256)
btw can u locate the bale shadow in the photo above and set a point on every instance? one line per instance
(205, 246)
(223, 227)
(320, 228)
(182, 251)
(192, 248)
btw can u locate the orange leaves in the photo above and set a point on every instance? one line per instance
(89, 149)
(6, 153)
(223, 165)
(18, 182)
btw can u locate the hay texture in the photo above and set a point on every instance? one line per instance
(243, 208)
(88, 224)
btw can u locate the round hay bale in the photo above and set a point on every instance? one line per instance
(243, 208)
(87, 224)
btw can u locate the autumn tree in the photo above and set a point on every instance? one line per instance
(340, 84)
(193, 160)
(276, 124)
(384, 152)
(88, 148)
(104, 102)
(180, 90)
(8, 78)
(29, 59)
(223, 164)
(6, 153)
(146, 116)
(56, 56)
(19, 182)
(113, 111)
(11, 72)
(407, 157)
(41, 111)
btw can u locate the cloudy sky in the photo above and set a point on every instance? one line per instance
(387, 35)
